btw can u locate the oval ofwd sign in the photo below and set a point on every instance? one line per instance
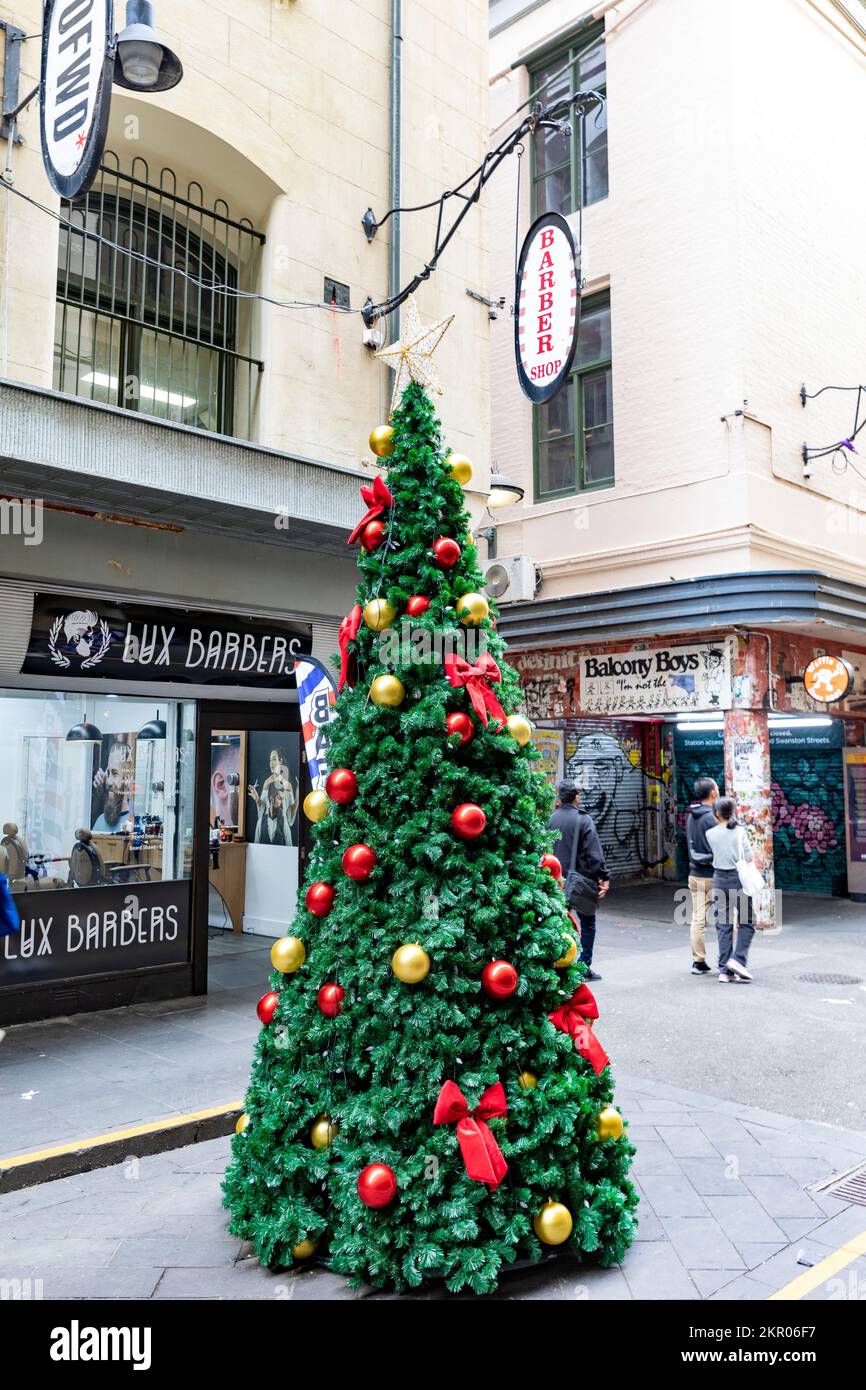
(547, 307)
(827, 679)
(77, 66)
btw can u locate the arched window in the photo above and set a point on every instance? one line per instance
(134, 327)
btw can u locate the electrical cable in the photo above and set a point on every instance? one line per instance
(230, 291)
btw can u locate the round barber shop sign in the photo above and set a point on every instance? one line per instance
(77, 67)
(547, 307)
(828, 678)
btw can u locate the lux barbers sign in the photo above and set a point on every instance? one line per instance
(77, 67)
(96, 931)
(75, 637)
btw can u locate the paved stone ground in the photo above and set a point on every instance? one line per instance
(724, 1210)
(793, 1047)
(724, 1214)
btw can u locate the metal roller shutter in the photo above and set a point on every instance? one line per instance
(604, 757)
(16, 616)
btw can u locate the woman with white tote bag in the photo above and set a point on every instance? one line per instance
(736, 881)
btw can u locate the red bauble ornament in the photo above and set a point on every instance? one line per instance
(460, 724)
(320, 899)
(499, 979)
(373, 535)
(267, 1007)
(417, 605)
(468, 821)
(447, 552)
(342, 786)
(377, 1185)
(552, 865)
(359, 861)
(330, 1000)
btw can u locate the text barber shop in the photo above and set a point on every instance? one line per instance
(153, 769)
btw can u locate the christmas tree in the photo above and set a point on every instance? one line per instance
(428, 1097)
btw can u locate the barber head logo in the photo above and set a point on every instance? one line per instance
(81, 634)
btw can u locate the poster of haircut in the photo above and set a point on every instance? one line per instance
(226, 779)
(112, 798)
(273, 787)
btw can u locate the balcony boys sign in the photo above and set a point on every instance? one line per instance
(659, 680)
(547, 307)
(77, 67)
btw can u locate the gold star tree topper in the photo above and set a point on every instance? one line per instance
(412, 356)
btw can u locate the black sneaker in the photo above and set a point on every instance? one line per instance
(700, 967)
(592, 974)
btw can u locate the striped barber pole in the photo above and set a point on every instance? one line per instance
(317, 695)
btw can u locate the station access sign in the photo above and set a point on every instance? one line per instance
(547, 307)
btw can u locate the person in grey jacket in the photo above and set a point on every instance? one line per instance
(699, 820)
(569, 821)
(729, 842)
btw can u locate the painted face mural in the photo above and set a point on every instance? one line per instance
(621, 798)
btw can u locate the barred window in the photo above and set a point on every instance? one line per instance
(153, 316)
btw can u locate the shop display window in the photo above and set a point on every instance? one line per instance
(96, 791)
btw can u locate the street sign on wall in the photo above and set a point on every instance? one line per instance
(77, 68)
(547, 307)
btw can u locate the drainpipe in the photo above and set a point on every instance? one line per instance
(396, 145)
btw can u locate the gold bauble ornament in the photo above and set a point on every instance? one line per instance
(379, 614)
(388, 691)
(411, 963)
(243, 1123)
(553, 1224)
(528, 1081)
(519, 728)
(460, 468)
(323, 1133)
(305, 1249)
(570, 956)
(288, 954)
(382, 441)
(608, 1123)
(316, 805)
(473, 609)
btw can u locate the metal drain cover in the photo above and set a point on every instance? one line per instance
(849, 1186)
(831, 979)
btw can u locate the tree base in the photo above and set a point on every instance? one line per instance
(433, 1277)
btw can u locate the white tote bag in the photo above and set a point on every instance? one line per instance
(751, 878)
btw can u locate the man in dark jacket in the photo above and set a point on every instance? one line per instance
(699, 820)
(569, 822)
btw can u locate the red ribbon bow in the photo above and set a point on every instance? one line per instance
(377, 498)
(575, 1018)
(481, 1153)
(349, 629)
(475, 678)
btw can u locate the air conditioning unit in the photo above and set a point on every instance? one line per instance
(513, 579)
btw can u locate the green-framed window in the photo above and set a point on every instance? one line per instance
(574, 431)
(564, 169)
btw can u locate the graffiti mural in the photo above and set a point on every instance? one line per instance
(605, 761)
(807, 807)
(809, 822)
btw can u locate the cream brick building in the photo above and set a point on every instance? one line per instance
(181, 449)
(666, 496)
